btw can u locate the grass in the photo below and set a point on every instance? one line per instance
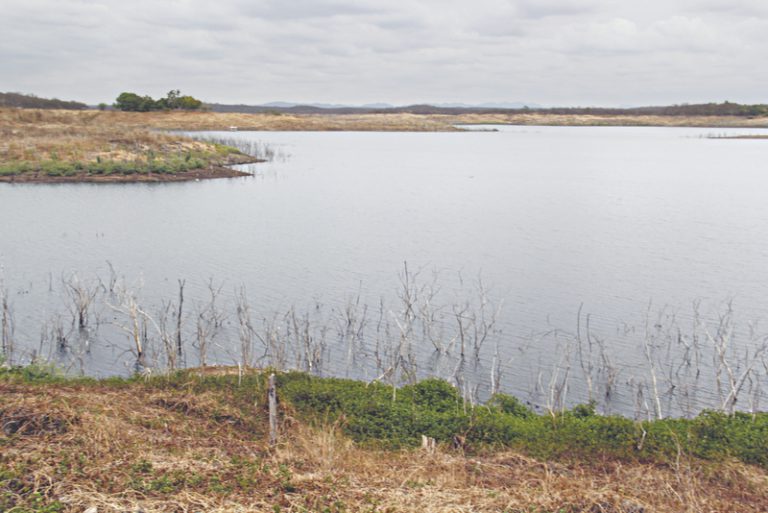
(196, 440)
(66, 144)
(541, 119)
(104, 145)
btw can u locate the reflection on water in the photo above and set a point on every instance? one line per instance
(574, 232)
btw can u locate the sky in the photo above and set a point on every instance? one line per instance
(547, 52)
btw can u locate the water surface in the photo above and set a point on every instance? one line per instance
(626, 224)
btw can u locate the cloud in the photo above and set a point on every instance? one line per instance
(547, 8)
(544, 51)
(304, 9)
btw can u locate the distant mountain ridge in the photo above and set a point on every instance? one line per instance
(370, 108)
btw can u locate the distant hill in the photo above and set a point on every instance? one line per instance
(370, 108)
(700, 109)
(703, 109)
(30, 101)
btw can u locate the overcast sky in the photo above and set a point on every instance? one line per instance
(552, 52)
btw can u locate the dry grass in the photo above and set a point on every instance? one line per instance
(136, 447)
(83, 136)
(587, 120)
(75, 125)
(37, 145)
(35, 135)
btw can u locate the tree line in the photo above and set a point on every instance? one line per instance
(173, 101)
(30, 101)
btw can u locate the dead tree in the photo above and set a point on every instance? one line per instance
(6, 325)
(81, 297)
(246, 331)
(178, 318)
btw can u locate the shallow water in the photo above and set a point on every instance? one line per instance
(629, 225)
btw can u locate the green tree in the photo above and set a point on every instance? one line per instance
(172, 101)
(128, 101)
(189, 103)
(147, 104)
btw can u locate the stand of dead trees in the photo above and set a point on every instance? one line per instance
(685, 361)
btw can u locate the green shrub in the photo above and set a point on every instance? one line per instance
(511, 405)
(96, 168)
(32, 373)
(372, 413)
(11, 169)
(159, 166)
(17, 168)
(57, 168)
(124, 168)
(196, 163)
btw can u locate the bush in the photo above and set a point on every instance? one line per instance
(372, 413)
(159, 166)
(196, 163)
(511, 405)
(8, 171)
(57, 168)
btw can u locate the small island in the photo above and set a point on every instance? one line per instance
(53, 146)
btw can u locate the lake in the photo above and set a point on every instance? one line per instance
(625, 265)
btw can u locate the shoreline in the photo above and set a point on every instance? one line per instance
(199, 439)
(755, 136)
(211, 173)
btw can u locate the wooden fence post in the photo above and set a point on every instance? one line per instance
(272, 411)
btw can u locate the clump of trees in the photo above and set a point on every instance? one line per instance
(172, 101)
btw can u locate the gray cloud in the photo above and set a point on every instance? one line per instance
(599, 52)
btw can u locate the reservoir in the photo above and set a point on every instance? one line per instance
(558, 264)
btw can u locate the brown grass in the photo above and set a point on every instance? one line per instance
(35, 135)
(32, 139)
(13, 121)
(152, 449)
(588, 120)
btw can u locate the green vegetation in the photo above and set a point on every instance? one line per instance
(378, 415)
(168, 164)
(434, 408)
(197, 440)
(173, 101)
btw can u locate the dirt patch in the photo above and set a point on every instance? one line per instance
(202, 408)
(26, 422)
